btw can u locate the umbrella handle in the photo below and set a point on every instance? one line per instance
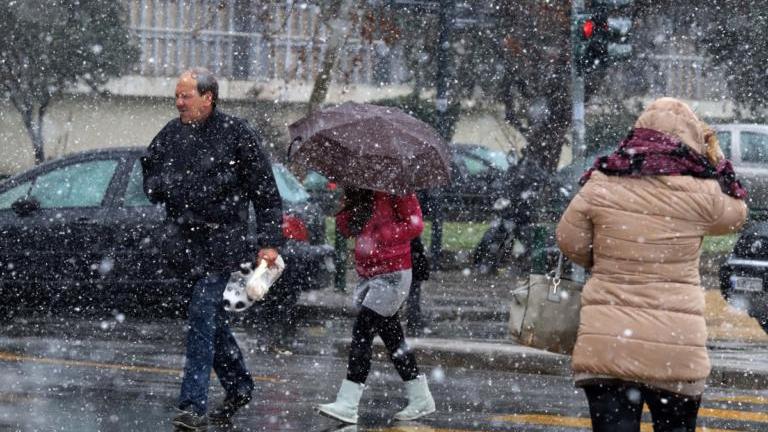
(290, 146)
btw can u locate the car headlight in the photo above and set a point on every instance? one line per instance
(330, 265)
(501, 204)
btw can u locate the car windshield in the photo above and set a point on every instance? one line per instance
(289, 187)
(315, 180)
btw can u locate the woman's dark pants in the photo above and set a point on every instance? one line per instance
(367, 325)
(618, 407)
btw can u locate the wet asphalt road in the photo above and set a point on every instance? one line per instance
(105, 375)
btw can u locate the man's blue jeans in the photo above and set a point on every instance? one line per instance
(210, 344)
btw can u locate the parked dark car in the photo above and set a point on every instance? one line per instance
(78, 233)
(321, 192)
(478, 175)
(744, 275)
(477, 180)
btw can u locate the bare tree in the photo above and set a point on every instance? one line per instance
(338, 26)
(50, 46)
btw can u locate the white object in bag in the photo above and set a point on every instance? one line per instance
(249, 285)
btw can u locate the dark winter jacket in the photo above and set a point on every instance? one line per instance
(206, 175)
(384, 245)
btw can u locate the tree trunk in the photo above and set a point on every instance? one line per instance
(547, 138)
(241, 57)
(37, 146)
(338, 29)
(34, 128)
(336, 21)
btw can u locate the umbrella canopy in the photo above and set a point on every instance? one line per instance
(371, 147)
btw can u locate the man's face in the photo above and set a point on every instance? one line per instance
(193, 107)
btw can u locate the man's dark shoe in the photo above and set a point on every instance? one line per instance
(187, 420)
(227, 408)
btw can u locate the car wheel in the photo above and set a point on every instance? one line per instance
(491, 252)
(763, 321)
(9, 307)
(7, 314)
(764, 324)
(724, 279)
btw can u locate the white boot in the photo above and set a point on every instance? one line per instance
(345, 407)
(420, 402)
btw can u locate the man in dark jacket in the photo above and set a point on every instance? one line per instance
(206, 167)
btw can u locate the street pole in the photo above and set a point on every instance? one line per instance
(340, 258)
(442, 102)
(578, 146)
(579, 132)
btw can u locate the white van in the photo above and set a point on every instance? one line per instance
(747, 146)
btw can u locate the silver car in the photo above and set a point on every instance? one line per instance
(747, 146)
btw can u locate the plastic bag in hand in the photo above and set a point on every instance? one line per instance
(247, 286)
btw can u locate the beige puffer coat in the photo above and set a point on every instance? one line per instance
(642, 309)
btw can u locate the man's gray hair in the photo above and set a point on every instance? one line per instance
(206, 82)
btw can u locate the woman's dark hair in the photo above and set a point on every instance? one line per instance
(359, 204)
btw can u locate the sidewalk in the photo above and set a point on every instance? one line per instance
(468, 317)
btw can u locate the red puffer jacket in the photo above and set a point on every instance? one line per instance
(384, 245)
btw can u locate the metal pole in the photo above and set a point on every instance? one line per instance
(578, 145)
(340, 261)
(442, 102)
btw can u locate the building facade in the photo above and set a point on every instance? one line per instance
(269, 51)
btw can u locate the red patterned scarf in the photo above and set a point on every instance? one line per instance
(646, 152)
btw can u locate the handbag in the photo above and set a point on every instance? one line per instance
(545, 310)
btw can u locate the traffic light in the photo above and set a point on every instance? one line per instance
(602, 34)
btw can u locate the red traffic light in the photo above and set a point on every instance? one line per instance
(588, 29)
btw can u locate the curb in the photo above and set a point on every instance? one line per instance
(740, 379)
(444, 313)
(474, 355)
(510, 357)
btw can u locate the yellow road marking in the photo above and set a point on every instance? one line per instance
(15, 397)
(734, 415)
(579, 422)
(757, 400)
(585, 423)
(545, 419)
(419, 428)
(534, 419)
(11, 357)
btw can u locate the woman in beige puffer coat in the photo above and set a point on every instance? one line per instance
(638, 224)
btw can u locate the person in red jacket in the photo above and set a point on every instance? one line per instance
(383, 226)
